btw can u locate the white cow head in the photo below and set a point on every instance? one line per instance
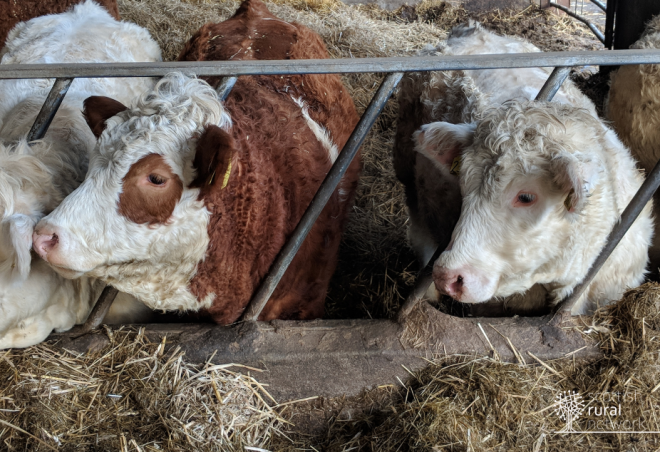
(136, 219)
(27, 191)
(526, 171)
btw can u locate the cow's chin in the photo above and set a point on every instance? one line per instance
(67, 272)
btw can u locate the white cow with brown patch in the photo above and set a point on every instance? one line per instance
(36, 177)
(520, 194)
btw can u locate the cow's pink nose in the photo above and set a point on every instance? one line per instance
(449, 282)
(44, 242)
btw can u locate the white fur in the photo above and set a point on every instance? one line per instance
(519, 145)
(35, 177)
(319, 132)
(154, 263)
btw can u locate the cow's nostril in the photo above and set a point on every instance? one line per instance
(459, 280)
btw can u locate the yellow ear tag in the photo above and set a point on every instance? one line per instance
(225, 180)
(455, 165)
(568, 202)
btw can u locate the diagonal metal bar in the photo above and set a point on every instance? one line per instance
(599, 4)
(552, 85)
(225, 87)
(49, 108)
(628, 217)
(322, 196)
(591, 26)
(100, 309)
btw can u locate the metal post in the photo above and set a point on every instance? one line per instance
(225, 86)
(591, 26)
(322, 196)
(49, 108)
(424, 281)
(100, 309)
(628, 217)
(554, 82)
(610, 12)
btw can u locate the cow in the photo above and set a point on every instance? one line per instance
(519, 194)
(36, 176)
(633, 107)
(188, 201)
(13, 12)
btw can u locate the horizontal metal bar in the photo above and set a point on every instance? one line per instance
(322, 196)
(628, 217)
(334, 66)
(599, 4)
(552, 85)
(49, 108)
(591, 26)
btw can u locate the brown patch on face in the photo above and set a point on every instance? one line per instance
(150, 191)
(98, 109)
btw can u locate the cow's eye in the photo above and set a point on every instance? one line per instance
(156, 179)
(525, 199)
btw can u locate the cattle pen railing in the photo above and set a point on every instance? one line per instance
(394, 68)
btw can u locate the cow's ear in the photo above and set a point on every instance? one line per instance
(443, 143)
(98, 109)
(213, 155)
(17, 245)
(577, 175)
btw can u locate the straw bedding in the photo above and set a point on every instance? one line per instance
(132, 396)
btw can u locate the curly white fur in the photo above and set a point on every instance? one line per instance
(36, 177)
(515, 144)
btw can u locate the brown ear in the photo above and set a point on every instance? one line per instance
(98, 109)
(212, 157)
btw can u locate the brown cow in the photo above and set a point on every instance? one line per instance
(13, 12)
(179, 239)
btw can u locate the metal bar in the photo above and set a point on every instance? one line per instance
(322, 196)
(422, 284)
(333, 66)
(552, 85)
(100, 309)
(628, 217)
(49, 108)
(609, 23)
(591, 26)
(225, 87)
(599, 4)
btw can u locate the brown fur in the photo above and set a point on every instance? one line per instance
(13, 11)
(277, 166)
(98, 109)
(142, 201)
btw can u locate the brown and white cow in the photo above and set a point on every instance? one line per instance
(188, 200)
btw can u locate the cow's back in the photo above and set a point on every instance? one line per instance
(13, 12)
(281, 166)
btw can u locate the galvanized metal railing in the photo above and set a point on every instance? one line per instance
(395, 67)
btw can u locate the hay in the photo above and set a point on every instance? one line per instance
(128, 396)
(478, 404)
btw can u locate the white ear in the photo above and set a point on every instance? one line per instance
(442, 142)
(577, 175)
(18, 258)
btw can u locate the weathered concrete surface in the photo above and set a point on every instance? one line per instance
(342, 357)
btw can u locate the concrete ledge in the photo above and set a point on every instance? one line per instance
(342, 357)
